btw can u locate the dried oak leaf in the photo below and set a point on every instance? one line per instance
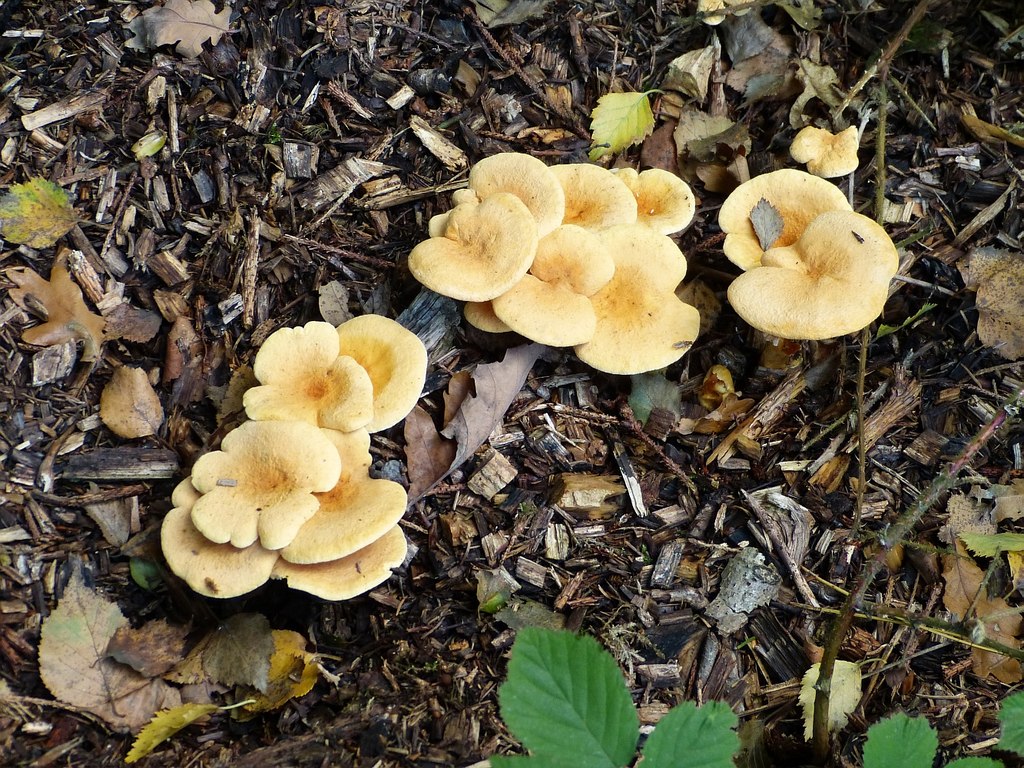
(36, 213)
(998, 277)
(182, 22)
(74, 664)
(68, 318)
(129, 406)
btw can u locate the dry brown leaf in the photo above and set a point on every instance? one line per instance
(129, 406)
(187, 24)
(460, 385)
(238, 652)
(74, 665)
(998, 277)
(1001, 623)
(68, 318)
(1009, 501)
(428, 455)
(152, 649)
(965, 514)
(293, 673)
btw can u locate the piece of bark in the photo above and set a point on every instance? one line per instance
(495, 473)
(586, 493)
(123, 463)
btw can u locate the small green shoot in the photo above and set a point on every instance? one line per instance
(886, 330)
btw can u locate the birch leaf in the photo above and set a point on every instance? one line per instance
(618, 121)
(36, 213)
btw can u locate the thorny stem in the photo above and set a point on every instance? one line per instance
(895, 534)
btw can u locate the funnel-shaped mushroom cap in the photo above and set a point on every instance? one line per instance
(395, 360)
(664, 202)
(550, 305)
(213, 570)
(354, 514)
(832, 281)
(521, 175)
(437, 224)
(184, 494)
(798, 197)
(486, 249)
(641, 324)
(306, 378)
(480, 314)
(594, 197)
(826, 154)
(260, 484)
(350, 576)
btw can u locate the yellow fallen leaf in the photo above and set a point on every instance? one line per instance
(164, 725)
(36, 213)
(843, 699)
(618, 121)
(293, 673)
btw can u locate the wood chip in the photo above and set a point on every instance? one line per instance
(495, 473)
(453, 158)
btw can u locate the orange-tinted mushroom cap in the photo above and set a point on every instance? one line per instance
(594, 197)
(664, 202)
(260, 484)
(832, 281)
(798, 197)
(826, 154)
(480, 314)
(524, 176)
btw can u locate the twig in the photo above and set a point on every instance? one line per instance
(895, 534)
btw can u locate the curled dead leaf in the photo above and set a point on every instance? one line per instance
(129, 406)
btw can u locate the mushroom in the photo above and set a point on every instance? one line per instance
(349, 576)
(395, 360)
(797, 197)
(549, 305)
(260, 484)
(832, 281)
(353, 514)
(437, 224)
(486, 249)
(304, 377)
(664, 202)
(641, 324)
(709, 7)
(524, 176)
(826, 154)
(594, 197)
(480, 314)
(213, 570)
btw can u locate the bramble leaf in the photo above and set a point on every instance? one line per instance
(909, 742)
(990, 545)
(1011, 717)
(705, 735)
(620, 120)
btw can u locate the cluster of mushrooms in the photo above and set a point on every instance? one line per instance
(569, 255)
(289, 495)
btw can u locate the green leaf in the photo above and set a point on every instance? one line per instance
(526, 761)
(618, 121)
(1011, 717)
(990, 545)
(975, 762)
(652, 390)
(694, 737)
(900, 741)
(565, 700)
(37, 213)
(886, 330)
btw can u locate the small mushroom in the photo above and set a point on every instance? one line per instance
(832, 281)
(395, 360)
(524, 176)
(260, 484)
(486, 249)
(594, 197)
(796, 196)
(550, 305)
(641, 323)
(480, 314)
(353, 514)
(349, 576)
(664, 202)
(826, 154)
(304, 377)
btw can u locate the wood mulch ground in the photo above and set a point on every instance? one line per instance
(306, 125)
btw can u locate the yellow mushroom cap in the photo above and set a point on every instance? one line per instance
(594, 197)
(832, 281)
(480, 314)
(213, 570)
(260, 484)
(826, 154)
(305, 377)
(349, 576)
(486, 249)
(524, 176)
(641, 324)
(352, 515)
(797, 196)
(550, 305)
(664, 202)
(395, 360)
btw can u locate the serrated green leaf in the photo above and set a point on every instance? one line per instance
(900, 741)
(694, 737)
(526, 761)
(1011, 717)
(165, 724)
(975, 762)
(991, 544)
(619, 120)
(565, 700)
